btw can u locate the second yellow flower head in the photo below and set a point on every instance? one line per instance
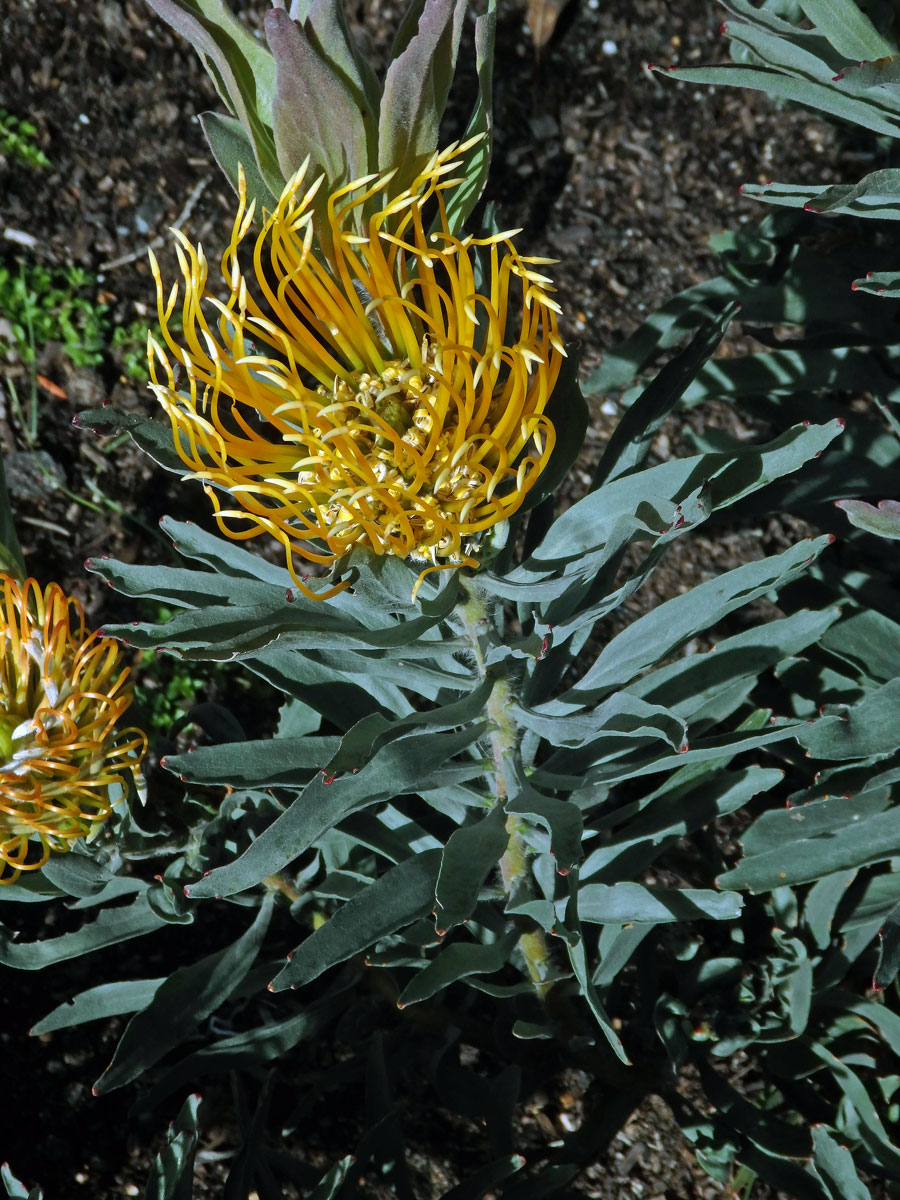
(64, 763)
(368, 396)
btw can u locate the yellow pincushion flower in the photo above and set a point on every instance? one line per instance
(368, 398)
(63, 764)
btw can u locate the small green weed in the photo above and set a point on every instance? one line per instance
(17, 141)
(42, 304)
(166, 687)
(167, 695)
(131, 343)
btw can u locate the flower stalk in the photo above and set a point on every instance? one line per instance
(515, 871)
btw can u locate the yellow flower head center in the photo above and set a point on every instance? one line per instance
(393, 419)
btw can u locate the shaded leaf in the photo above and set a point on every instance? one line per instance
(454, 963)
(172, 1173)
(470, 854)
(185, 999)
(486, 1178)
(800, 859)
(111, 925)
(627, 447)
(415, 759)
(835, 1165)
(99, 1003)
(862, 730)
(396, 899)
(888, 950)
(542, 16)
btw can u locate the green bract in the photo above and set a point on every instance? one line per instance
(309, 91)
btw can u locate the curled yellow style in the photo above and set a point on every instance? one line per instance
(63, 764)
(370, 398)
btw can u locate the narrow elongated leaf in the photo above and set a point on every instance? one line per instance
(827, 816)
(585, 526)
(282, 762)
(240, 67)
(700, 686)
(668, 626)
(246, 1051)
(879, 283)
(804, 859)
(806, 57)
(848, 28)
(99, 1003)
(870, 641)
(614, 723)
(111, 925)
(15, 1189)
(325, 23)
(883, 521)
(561, 818)
(331, 1182)
(152, 436)
(77, 875)
(871, 1131)
(330, 692)
(877, 195)
(578, 958)
(250, 1172)
(767, 1131)
(627, 903)
(784, 372)
(719, 748)
(674, 811)
(616, 954)
(820, 96)
(456, 962)
(225, 555)
(185, 999)
(471, 853)
(821, 904)
(402, 895)
(415, 759)
(486, 1178)
(568, 411)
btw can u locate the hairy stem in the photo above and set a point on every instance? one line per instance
(514, 867)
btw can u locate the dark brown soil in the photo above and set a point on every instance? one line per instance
(620, 174)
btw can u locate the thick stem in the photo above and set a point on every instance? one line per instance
(514, 868)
